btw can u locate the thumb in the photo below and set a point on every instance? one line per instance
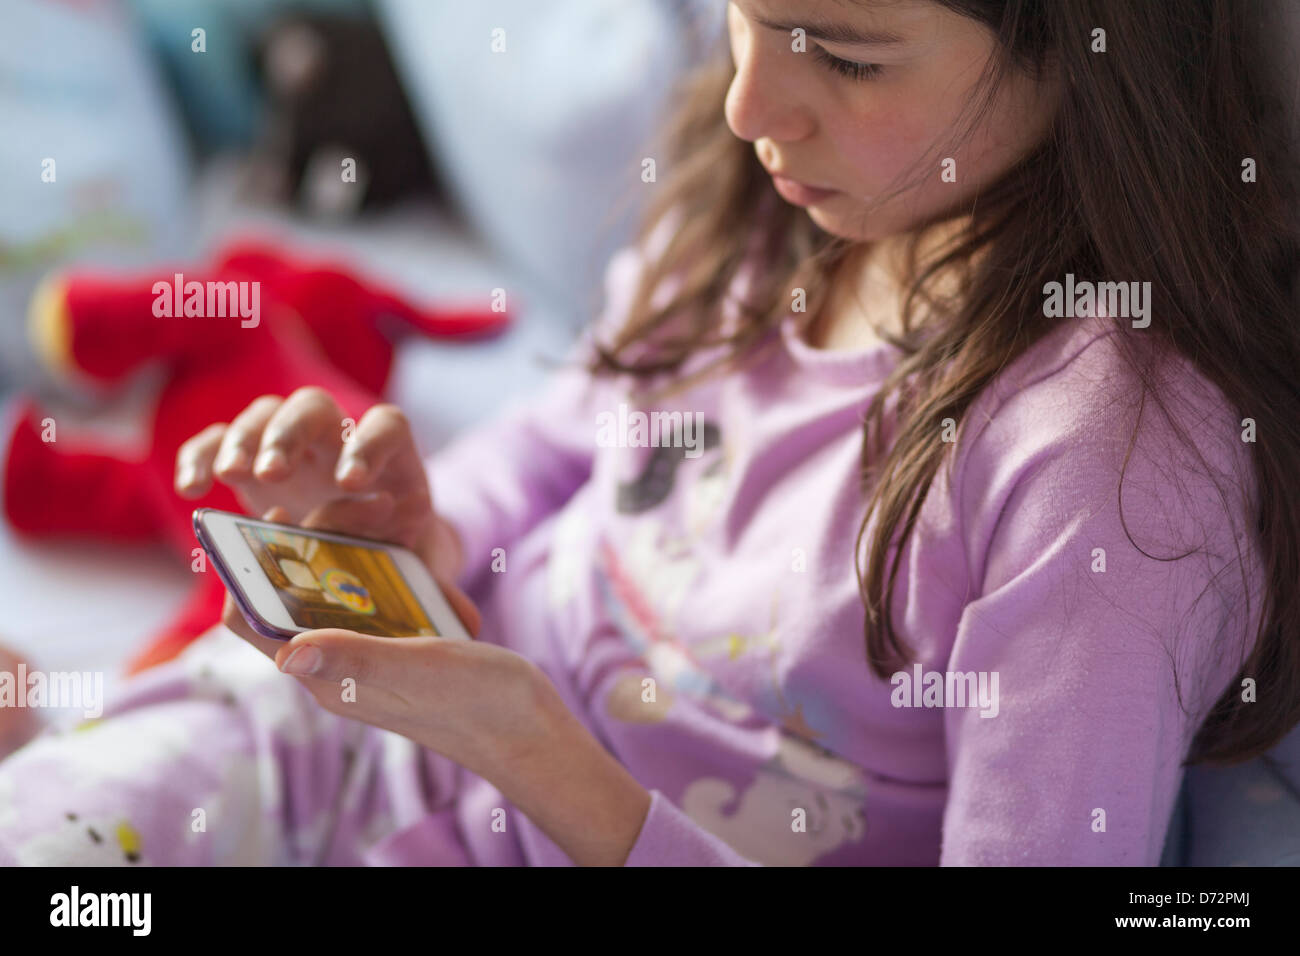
(332, 654)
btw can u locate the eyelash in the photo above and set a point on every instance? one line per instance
(854, 71)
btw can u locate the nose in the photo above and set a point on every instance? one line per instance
(762, 101)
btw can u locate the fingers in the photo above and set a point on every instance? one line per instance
(224, 452)
(465, 610)
(234, 619)
(194, 461)
(234, 461)
(309, 413)
(359, 516)
(382, 434)
(268, 440)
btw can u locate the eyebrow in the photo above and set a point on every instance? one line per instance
(833, 32)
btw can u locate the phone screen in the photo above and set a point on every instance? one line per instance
(331, 584)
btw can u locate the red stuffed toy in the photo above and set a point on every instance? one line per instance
(297, 324)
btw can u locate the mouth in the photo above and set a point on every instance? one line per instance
(800, 193)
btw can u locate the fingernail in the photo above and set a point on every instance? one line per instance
(269, 460)
(187, 476)
(303, 661)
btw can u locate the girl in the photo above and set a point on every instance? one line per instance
(852, 542)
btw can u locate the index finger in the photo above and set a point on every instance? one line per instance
(305, 415)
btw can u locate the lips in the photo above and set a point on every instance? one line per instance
(800, 193)
(777, 174)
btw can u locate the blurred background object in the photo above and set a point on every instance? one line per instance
(93, 164)
(496, 146)
(544, 153)
(333, 97)
(222, 101)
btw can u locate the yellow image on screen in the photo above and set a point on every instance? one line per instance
(330, 584)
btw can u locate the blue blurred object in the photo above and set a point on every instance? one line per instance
(1246, 815)
(92, 165)
(217, 87)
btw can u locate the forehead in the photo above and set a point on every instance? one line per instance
(905, 25)
(844, 11)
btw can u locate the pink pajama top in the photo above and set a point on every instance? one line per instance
(691, 591)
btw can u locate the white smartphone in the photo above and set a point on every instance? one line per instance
(287, 580)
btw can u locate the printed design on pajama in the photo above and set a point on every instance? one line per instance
(215, 758)
(642, 578)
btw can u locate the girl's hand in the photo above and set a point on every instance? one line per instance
(414, 685)
(483, 706)
(234, 619)
(488, 709)
(301, 454)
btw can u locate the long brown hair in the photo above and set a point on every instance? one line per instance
(1141, 169)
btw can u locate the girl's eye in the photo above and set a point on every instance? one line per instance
(849, 68)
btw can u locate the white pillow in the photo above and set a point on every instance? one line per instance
(542, 142)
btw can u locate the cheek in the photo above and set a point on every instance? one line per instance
(1014, 126)
(879, 149)
(879, 152)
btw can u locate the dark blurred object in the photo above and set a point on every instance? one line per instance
(339, 134)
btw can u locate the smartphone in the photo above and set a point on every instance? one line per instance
(287, 580)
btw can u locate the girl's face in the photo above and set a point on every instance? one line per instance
(869, 98)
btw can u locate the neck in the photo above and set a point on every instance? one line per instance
(897, 256)
(871, 283)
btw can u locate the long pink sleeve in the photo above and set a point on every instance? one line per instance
(1081, 763)
(496, 481)
(670, 838)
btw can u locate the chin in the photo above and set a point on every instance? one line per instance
(845, 227)
(860, 223)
